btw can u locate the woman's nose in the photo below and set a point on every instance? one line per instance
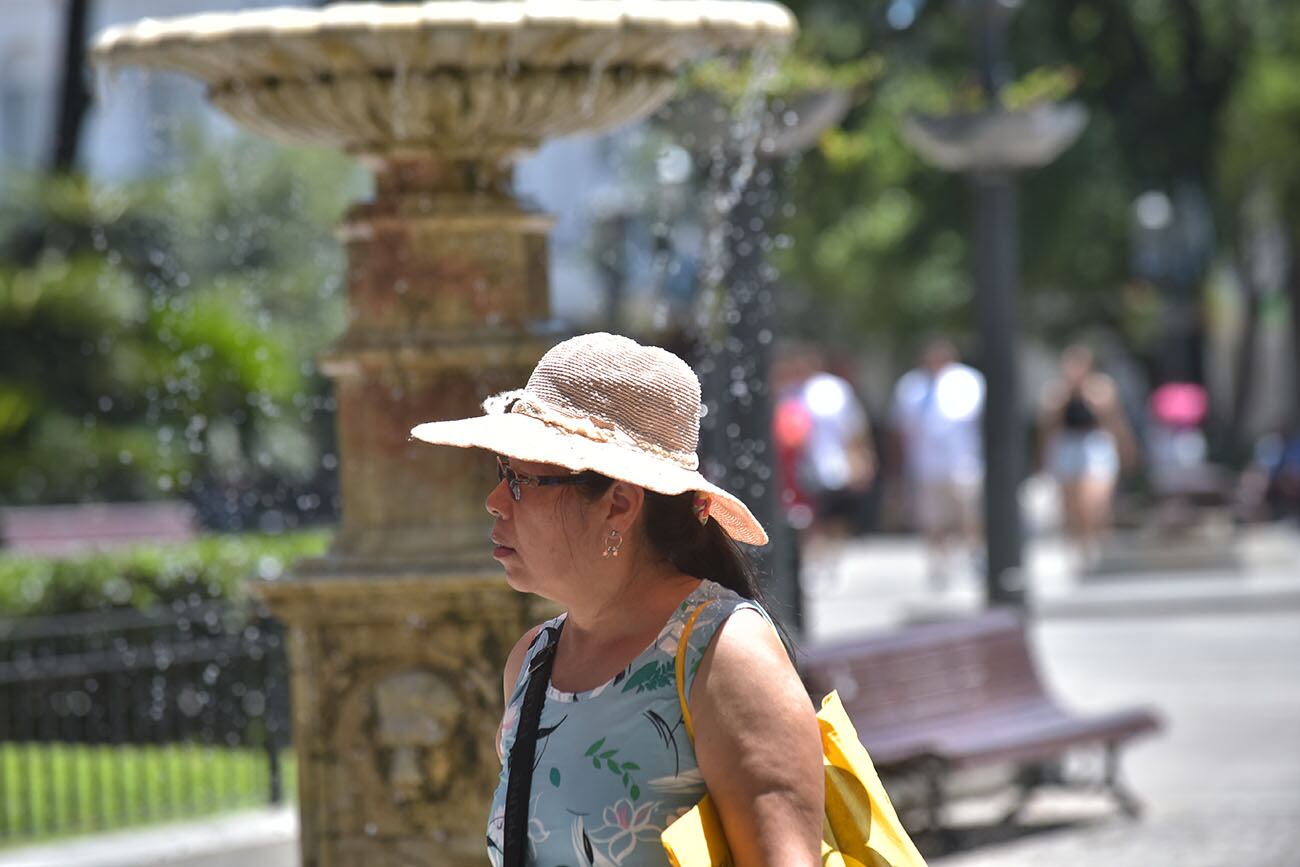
(497, 499)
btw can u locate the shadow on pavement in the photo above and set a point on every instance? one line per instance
(937, 845)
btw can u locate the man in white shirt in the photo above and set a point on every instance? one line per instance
(825, 458)
(838, 459)
(937, 415)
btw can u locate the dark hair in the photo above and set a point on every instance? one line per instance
(699, 550)
(705, 551)
(702, 551)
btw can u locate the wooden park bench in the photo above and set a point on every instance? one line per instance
(934, 699)
(71, 529)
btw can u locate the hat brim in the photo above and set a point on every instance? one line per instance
(528, 439)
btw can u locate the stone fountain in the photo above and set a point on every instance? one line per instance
(397, 637)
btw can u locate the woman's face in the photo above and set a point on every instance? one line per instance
(545, 540)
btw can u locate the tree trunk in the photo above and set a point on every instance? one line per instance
(1243, 374)
(74, 95)
(1293, 301)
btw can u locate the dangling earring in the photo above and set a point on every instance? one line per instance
(612, 543)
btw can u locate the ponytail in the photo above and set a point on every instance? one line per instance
(699, 550)
(703, 551)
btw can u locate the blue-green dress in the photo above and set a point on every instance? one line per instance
(614, 764)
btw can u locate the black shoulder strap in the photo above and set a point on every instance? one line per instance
(524, 752)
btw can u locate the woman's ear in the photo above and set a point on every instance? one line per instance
(623, 503)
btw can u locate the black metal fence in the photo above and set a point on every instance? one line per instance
(124, 716)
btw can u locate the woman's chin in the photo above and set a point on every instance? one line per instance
(517, 578)
(522, 582)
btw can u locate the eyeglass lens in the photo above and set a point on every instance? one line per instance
(504, 473)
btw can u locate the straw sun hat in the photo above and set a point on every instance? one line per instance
(605, 403)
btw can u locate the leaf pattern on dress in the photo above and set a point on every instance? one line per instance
(605, 759)
(651, 676)
(661, 726)
(543, 738)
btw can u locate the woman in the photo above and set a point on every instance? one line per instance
(601, 509)
(1085, 435)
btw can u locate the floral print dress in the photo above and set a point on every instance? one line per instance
(614, 764)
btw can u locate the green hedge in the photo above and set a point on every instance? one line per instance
(212, 567)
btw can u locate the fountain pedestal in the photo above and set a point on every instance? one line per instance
(396, 697)
(447, 290)
(397, 638)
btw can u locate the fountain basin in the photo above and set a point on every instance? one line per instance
(467, 79)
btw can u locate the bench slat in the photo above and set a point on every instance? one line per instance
(965, 691)
(1037, 731)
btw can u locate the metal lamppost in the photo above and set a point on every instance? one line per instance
(989, 146)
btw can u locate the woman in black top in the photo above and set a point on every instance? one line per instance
(1085, 440)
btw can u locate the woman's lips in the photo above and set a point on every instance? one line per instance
(499, 550)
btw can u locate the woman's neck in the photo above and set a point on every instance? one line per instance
(603, 634)
(636, 604)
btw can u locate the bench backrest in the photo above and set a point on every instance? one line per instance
(927, 672)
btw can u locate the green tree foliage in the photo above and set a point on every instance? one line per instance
(1260, 132)
(1259, 138)
(880, 239)
(153, 335)
(876, 234)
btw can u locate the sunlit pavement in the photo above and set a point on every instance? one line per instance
(1215, 652)
(254, 838)
(881, 581)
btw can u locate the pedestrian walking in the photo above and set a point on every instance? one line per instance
(825, 456)
(937, 413)
(1085, 438)
(600, 508)
(1269, 488)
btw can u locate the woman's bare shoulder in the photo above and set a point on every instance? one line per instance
(746, 657)
(515, 659)
(747, 636)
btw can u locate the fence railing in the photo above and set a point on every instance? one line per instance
(124, 716)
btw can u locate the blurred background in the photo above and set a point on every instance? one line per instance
(809, 231)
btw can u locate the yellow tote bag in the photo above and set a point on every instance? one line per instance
(860, 829)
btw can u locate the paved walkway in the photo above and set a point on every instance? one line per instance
(253, 838)
(1215, 651)
(1221, 783)
(1255, 838)
(880, 582)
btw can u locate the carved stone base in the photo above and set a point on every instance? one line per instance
(396, 685)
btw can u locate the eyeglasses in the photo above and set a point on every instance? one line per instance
(516, 480)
